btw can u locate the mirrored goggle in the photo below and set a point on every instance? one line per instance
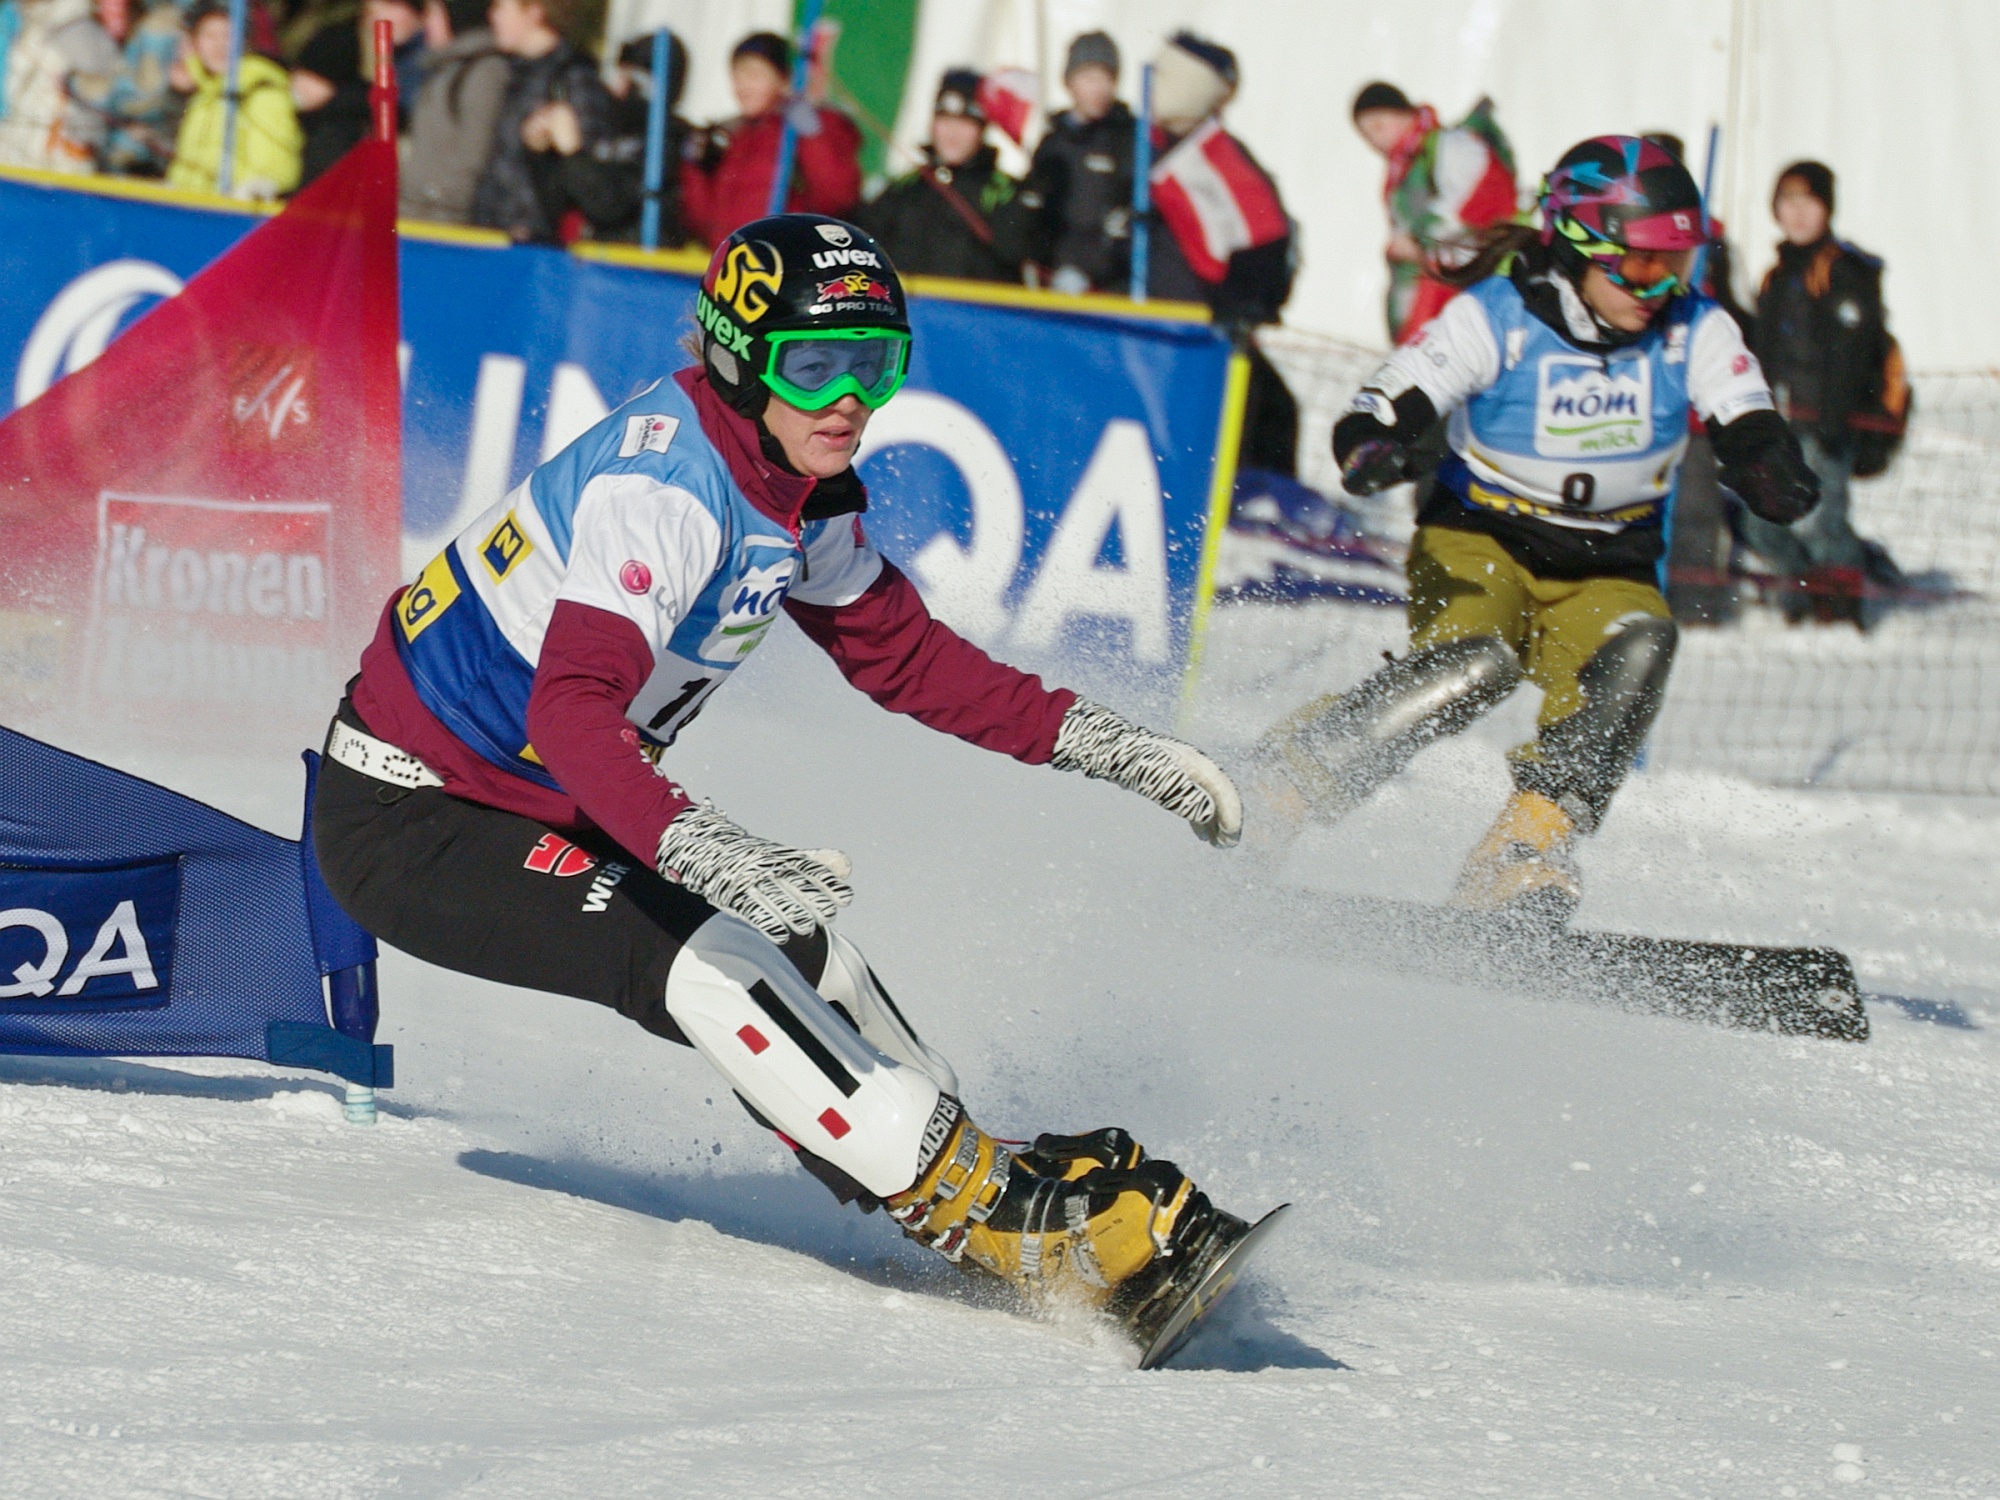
(1646, 274)
(812, 371)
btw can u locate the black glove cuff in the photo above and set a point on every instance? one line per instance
(1412, 414)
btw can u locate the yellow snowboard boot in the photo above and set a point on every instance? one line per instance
(1525, 867)
(1071, 1221)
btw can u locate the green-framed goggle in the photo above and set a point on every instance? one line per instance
(813, 368)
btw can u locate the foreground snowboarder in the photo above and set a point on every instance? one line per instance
(1568, 370)
(496, 800)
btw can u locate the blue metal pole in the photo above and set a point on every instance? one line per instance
(1142, 184)
(239, 19)
(656, 145)
(1695, 275)
(1707, 218)
(788, 145)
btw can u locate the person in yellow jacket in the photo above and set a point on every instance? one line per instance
(269, 142)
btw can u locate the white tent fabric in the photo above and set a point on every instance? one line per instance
(1893, 97)
(710, 29)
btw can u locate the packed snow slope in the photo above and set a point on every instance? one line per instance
(1540, 1248)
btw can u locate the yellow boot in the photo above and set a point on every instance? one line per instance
(1071, 1221)
(1525, 866)
(1294, 782)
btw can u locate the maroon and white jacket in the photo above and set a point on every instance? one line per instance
(536, 665)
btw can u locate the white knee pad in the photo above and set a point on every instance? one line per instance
(804, 1069)
(849, 983)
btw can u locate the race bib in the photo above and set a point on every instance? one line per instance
(1585, 409)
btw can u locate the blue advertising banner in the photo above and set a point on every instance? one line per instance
(137, 922)
(80, 940)
(1046, 475)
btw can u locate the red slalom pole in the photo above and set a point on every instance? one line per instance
(382, 96)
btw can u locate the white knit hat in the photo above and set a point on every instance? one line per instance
(1188, 86)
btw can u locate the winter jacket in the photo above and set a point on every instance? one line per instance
(606, 181)
(56, 43)
(1254, 283)
(1822, 335)
(926, 221)
(1565, 437)
(451, 128)
(510, 196)
(269, 143)
(546, 661)
(726, 180)
(1079, 189)
(344, 121)
(1442, 185)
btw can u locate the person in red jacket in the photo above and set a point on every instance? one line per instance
(499, 797)
(726, 178)
(1444, 184)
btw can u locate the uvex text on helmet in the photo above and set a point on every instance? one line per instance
(790, 274)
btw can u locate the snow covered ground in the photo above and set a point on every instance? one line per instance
(1540, 1249)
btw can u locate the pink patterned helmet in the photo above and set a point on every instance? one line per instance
(1615, 193)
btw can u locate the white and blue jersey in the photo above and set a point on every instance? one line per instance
(1581, 437)
(641, 518)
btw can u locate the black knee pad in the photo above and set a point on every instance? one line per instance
(1584, 758)
(1369, 734)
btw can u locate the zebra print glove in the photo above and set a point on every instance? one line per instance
(1104, 745)
(771, 886)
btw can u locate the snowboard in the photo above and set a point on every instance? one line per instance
(1165, 1325)
(1800, 991)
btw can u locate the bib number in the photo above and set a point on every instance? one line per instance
(681, 710)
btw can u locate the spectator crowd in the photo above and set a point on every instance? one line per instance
(511, 121)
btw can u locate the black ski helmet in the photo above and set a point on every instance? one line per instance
(790, 273)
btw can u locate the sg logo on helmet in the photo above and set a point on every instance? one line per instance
(747, 277)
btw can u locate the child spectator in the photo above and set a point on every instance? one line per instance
(269, 143)
(1219, 232)
(1443, 185)
(606, 182)
(1079, 186)
(515, 192)
(726, 180)
(955, 215)
(58, 56)
(453, 114)
(1823, 338)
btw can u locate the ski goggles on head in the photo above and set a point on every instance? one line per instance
(813, 369)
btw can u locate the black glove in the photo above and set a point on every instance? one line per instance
(1374, 441)
(1779, 487)
(1374, 465)
(1761, 462)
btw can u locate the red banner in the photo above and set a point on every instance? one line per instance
(201, 526)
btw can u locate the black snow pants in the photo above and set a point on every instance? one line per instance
(500, 896)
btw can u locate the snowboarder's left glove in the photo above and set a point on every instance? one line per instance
(1761, 462)
(1100, 743)
(771, 886)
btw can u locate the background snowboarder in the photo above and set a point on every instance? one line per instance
(1568, 375)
